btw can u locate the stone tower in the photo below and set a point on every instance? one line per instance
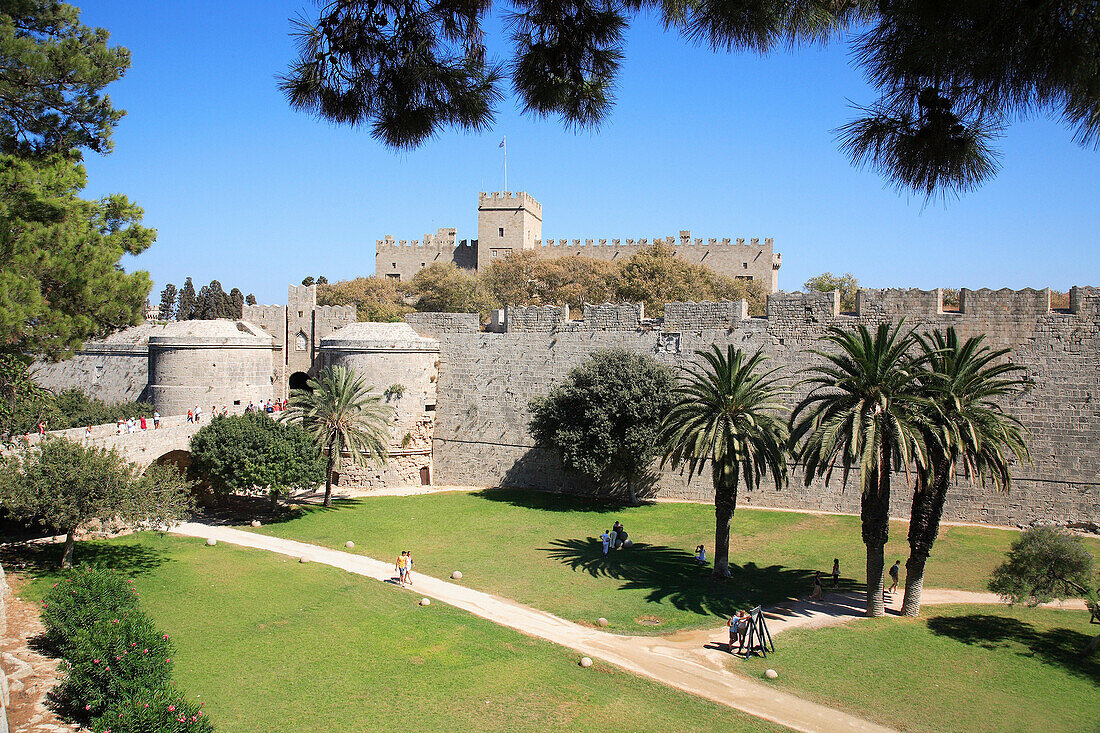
(506, 222)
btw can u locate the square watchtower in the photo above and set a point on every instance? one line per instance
(506, 222)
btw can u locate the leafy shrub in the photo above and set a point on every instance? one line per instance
(115, 659)
(80, 600)
(117, 665)
(163, 710)
(394, 390)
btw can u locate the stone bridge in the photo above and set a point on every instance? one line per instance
(145, 446)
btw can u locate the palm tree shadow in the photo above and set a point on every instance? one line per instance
(1058, 647)
(672, 575)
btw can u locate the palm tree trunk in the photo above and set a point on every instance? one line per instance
(725, 503)
(914, 584)
(875, 518)
(924, 527)
(876, 584)
(328, 478)
(67, 555)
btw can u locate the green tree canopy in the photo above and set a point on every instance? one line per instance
(66, 485)
(252, 452)
(603, 418)
(52, 72)
(446, 287)
(60, 279)
(377, 299)
(655, 276)
(168, 302)
(950, 76)
(1046, 564)
(827, 282)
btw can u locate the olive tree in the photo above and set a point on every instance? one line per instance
(66, 485)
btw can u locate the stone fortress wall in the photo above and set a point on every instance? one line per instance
(486, 381)
(511, 222)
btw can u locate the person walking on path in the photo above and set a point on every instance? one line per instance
(87, 433)
(190, 416)
(605, 538)
(156, 419)
(402, 566)
(836, 572)
(198, 414)
(895, 571)
(818, 591)
(409, 567)
(143, 424)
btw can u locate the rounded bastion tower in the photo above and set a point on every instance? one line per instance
(209, 363)
(403, 367)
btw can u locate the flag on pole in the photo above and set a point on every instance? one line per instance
(502, 141)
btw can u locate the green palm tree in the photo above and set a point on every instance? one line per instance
(727, 413)
(343, 416)
(968, 428)
(862, 411)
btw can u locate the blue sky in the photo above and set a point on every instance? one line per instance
(245, 190)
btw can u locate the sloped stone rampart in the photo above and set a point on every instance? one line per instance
(486, 381)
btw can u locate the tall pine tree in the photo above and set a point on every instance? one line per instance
(168, 302)
(185, 311)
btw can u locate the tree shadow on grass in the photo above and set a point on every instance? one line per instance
(554, 502)
(45, 559)
(1058, 647)
(243, 509)
(672, 575)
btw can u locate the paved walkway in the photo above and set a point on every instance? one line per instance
(698, 671)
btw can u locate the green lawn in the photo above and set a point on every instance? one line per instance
(274, 645)
(960, 668)
(541, 549)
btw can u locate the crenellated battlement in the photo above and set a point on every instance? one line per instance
(509, 200)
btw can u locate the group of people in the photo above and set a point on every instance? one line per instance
(819, 591)
(269, 406)
(614, 538)
(129, 425)
(404, 566)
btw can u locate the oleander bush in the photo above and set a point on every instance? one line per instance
(117, 666)
(163, 710)
(82, 598)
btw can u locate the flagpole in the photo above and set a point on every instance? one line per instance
(505, 162)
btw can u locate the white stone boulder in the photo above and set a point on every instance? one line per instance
(457, 575)
(586, 661)
(771, 674)
(303, 559)
(350, 545)
(602, 621)
(211, 542)
(425, 601)
(628, 543)
(255, 522)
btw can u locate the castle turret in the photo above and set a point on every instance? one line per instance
(506, 222)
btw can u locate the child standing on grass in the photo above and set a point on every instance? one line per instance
(836, 572)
